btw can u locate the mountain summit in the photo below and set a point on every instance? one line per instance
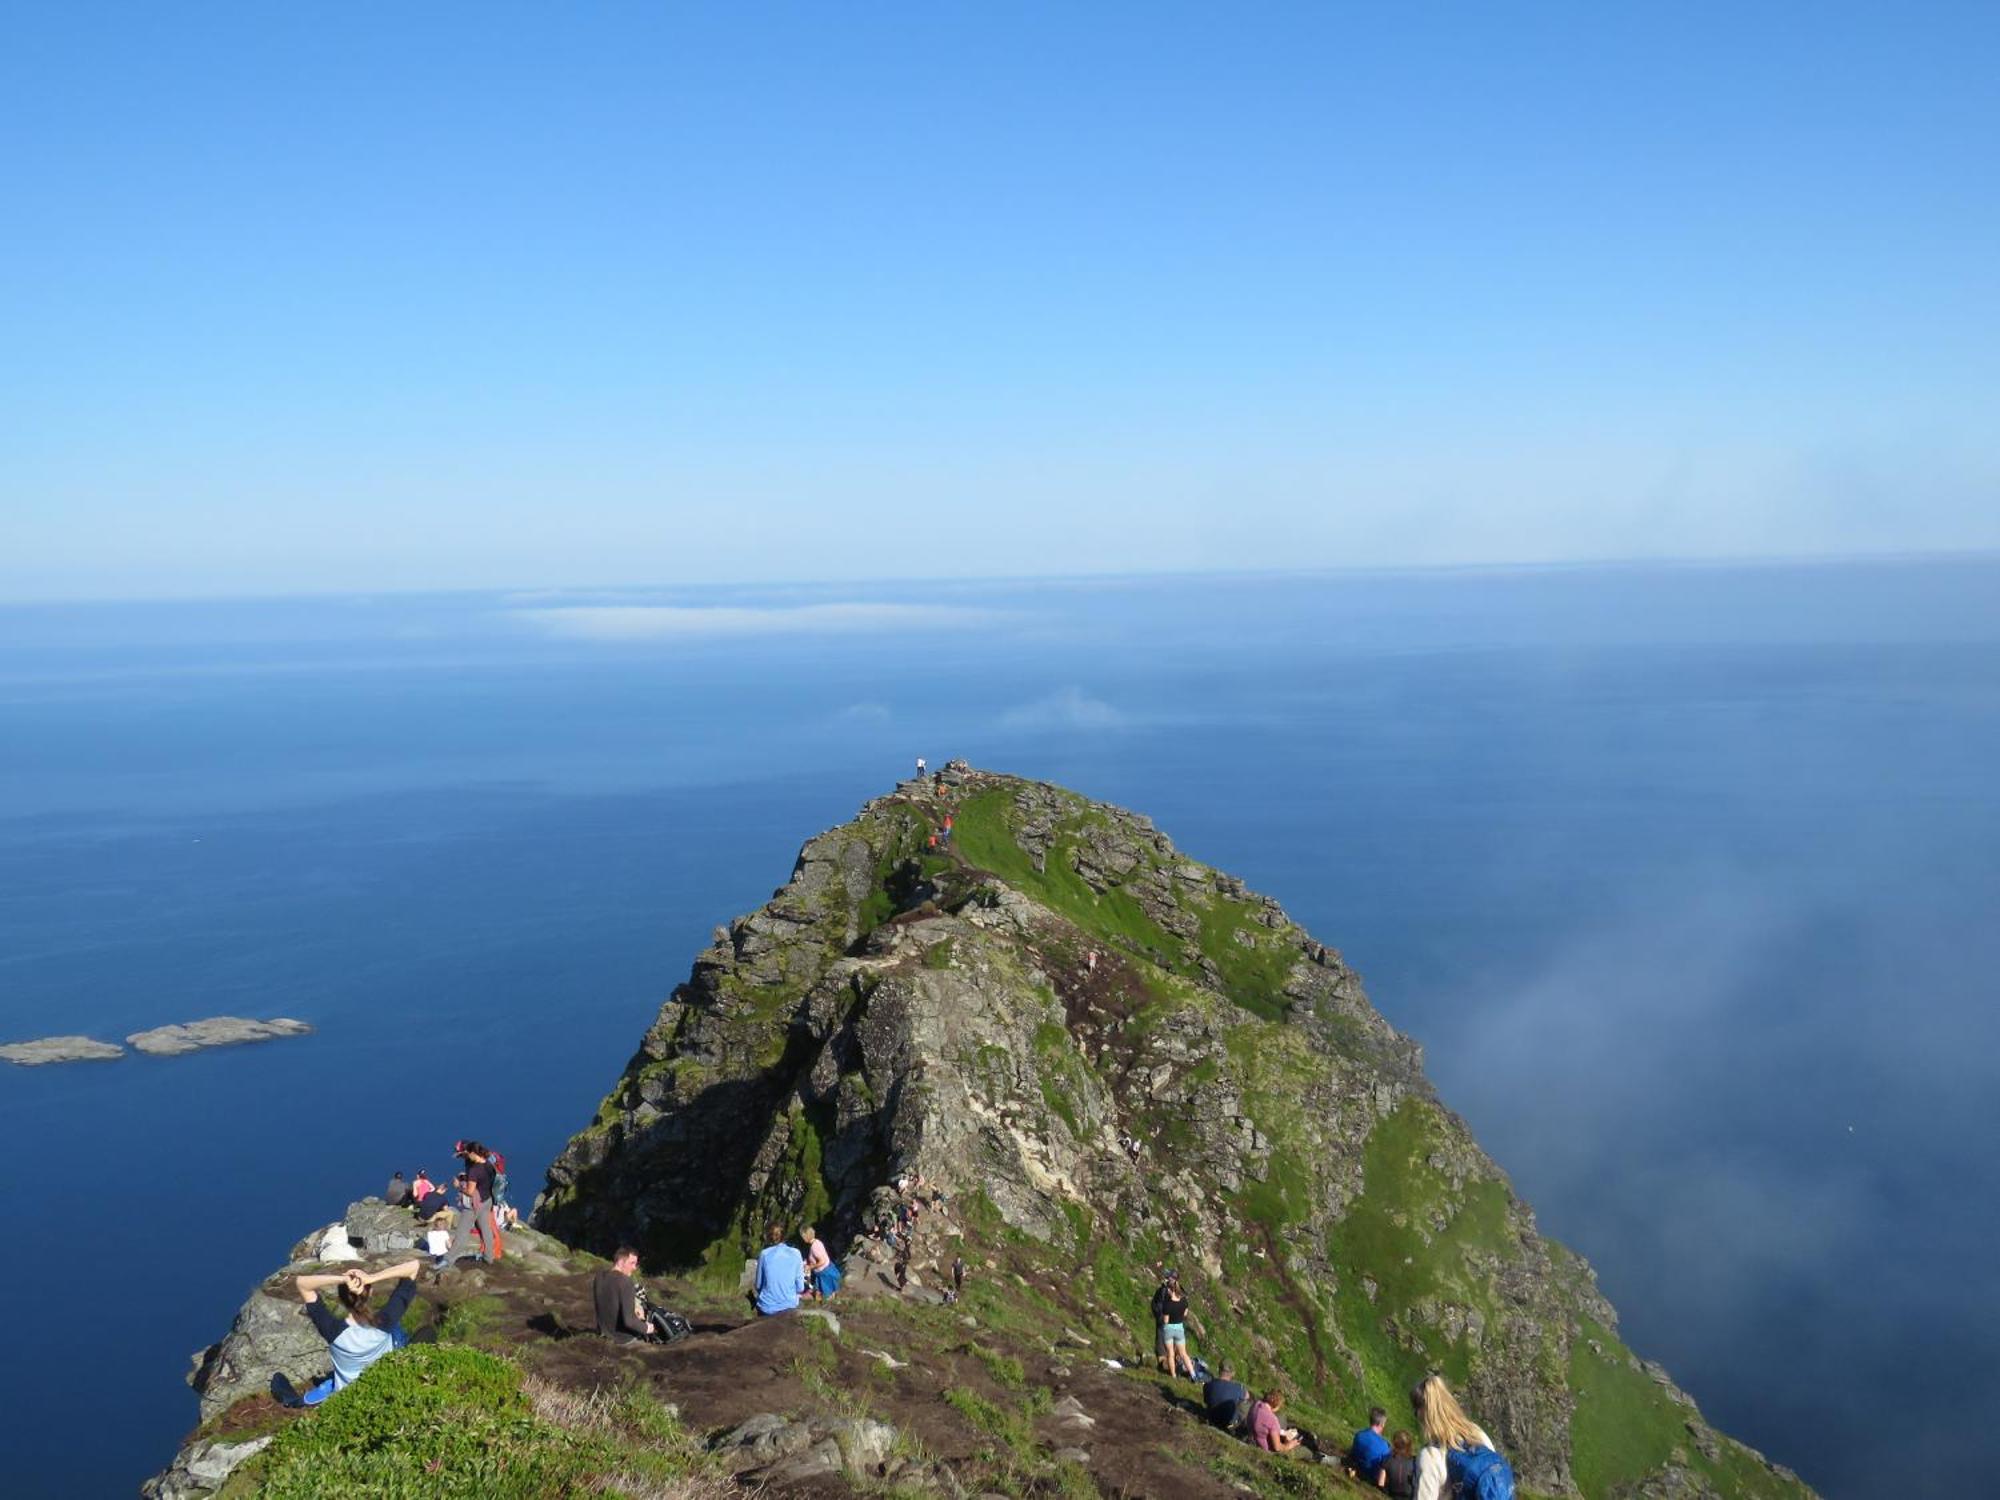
(1109, 1057)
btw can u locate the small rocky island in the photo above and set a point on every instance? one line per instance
(59, 1049)
(160, 1041)
(216, 1031)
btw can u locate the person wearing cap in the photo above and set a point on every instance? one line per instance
(1170, 1306)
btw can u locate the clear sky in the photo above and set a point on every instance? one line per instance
(443, 295)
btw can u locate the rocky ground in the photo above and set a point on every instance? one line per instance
(878, 1390)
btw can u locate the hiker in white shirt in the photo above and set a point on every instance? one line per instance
(1444, 1424)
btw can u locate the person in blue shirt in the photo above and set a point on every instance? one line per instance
(1371, 1449)
(781, 1274)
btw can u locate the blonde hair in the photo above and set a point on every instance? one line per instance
(1442, 1419)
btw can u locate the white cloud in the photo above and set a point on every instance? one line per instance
(1072, 708)
(666, 622)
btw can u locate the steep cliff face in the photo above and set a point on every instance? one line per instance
(1112, 1056)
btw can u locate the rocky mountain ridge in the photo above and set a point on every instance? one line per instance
(1099, 1056)
(1004, 1014)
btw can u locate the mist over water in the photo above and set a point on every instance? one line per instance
(1684, 878)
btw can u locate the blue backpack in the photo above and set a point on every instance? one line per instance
(1479, 1473)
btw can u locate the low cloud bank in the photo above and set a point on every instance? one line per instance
(1071, 708)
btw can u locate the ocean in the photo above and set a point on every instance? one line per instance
(1684, 877)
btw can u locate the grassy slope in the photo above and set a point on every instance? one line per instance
(1625, 1425)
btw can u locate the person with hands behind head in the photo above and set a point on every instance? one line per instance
(357, 1336)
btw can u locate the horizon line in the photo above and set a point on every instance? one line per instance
(1338, 570)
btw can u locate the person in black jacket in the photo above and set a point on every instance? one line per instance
(1399, 1470)
(616, 1298)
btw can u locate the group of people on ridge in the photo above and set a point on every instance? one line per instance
(1456, 1456)
(356, 1332)
(476, 1208)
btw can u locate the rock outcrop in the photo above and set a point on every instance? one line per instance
(1125, 1057)
(216, 1031)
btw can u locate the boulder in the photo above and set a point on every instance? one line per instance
(201, 1468)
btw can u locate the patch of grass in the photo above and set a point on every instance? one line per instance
(1389, 1233)
(471, 1320)
(1625, 1425)
(427, 1421)
(986, 837)
(1254, 976)
(1004, 1368)
(990, 1417)
(939, 955)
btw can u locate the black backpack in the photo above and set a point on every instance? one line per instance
(670, 1326)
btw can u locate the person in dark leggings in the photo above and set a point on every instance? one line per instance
(356, 1336)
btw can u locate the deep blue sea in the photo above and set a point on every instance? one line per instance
(1685, 877)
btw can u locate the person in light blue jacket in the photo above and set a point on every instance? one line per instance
(781, 1274)
(356, 1336)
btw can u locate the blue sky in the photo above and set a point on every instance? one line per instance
(451, 296)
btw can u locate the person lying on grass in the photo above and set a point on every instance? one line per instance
(356, 1335)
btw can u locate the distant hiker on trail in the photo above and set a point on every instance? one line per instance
(1170, 1306)
(357, 1337)
(957, 1277)
(1458, 1457)
(822, 1275)
(615, 1296)
(920, 768)
(1399, 1472)
(397, 1194)
(903, 1263)
(1370, 1449)
(781, 1274)
(1227, 1399)
(1265, 1429)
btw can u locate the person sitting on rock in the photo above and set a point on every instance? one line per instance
(822, 1275)
(781, 1275)
(356, 1336)
(615, 1297)
(397, 1194)
(1227, 1399)
(1370, 1449)
(437, 1239)
(421, 1190)
(1457, 1452)
(1266, 1431)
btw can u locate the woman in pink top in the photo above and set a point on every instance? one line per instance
(819, 1265)
(1265, 1432)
